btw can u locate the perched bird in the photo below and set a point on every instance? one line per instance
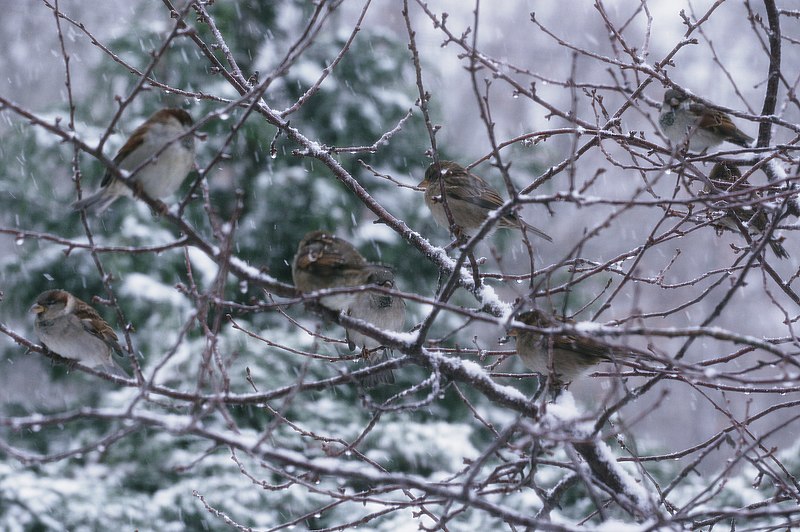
(72, 329)
(682, 117)
(326, 261)
(384, 311)
(563, 356)
(164, 173)
(468, 197)
(747, 207)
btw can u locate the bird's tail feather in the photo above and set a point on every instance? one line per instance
(536, 231)
(99, 201)
(384, 377)
(778, 249)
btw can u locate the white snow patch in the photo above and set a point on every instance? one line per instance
(405, 337)
(252, 272)
(632, 488)
(369, 232)
(588, 327)
(564, 410)
(613, 525)
(204, 265)
(776, 170)
(489, 297)
(141, 286)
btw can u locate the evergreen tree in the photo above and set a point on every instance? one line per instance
(250, 410)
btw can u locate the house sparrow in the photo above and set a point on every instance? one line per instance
(161, 176)
(565, 357)
(381, 310)
(726, 177)
(72, 329)
(469, 198)
(682, 117)
(325, 261)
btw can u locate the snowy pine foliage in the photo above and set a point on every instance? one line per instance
(246, 409)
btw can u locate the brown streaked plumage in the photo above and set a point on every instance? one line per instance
(160, 176)
(326, 261)
(727, 178)
(682, 118)
(384, 311)
(469, 198)
(563, 356)
(74, 330)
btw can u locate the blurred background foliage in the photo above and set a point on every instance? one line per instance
(147, 480)
(285, 196)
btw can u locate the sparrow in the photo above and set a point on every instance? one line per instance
(468, 197)
(384, 311)
(682, 117)
(726, 177)
(162, 175)
(74, 330)
(563, 356)
(326, 261)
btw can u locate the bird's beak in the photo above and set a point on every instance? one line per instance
(37, 309)
(423, 184)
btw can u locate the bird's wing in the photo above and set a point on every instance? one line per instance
(97, 326)
(581, 345)
(135, 140)
(476, 192)
(720, 123)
